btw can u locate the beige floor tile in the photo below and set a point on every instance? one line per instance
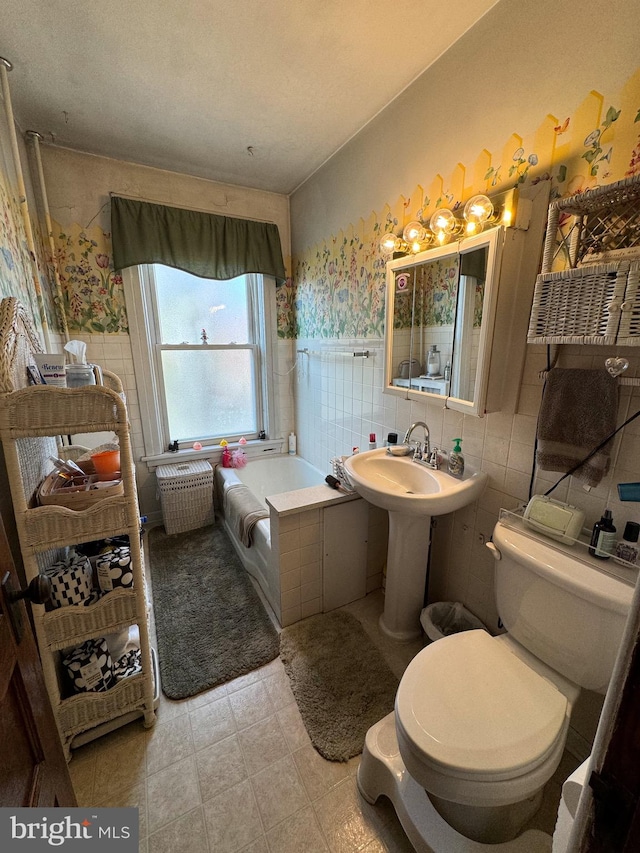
(279, 792)
(259, 846)
(168, 742)
(347, 821)
(279, 688)
(135, 797)
(232, 819)
(262, 744)
(250, 704)
(82, 769)
(171, 793)
(187, 834)
(212, 722)
(244, 681)
(318, 774)
(168, 709)
(293, 727)
(143, 845)
(220, 766)
(298, 834)
(208, 696)
(120, 762)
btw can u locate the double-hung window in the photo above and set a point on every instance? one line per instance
(202, 351)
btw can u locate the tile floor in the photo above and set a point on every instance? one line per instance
(233, 770)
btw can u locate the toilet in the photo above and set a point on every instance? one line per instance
(480, 722)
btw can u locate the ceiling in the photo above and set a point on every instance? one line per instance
(257, 93)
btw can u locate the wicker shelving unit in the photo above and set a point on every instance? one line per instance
(589, 289)
(31, 421)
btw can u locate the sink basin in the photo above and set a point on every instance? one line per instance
(398, 484)
(411, 493)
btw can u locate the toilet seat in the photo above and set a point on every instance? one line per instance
(468, 708)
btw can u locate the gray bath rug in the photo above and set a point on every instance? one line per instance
(210, 622)
(340, 681)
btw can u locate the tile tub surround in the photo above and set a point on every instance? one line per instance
(287, 555)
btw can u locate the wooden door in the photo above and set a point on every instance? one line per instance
(33, 770)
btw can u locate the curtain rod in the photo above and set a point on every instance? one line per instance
(189, 207)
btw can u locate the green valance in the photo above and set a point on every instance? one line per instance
(204, 244)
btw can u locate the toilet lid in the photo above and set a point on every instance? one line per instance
(469, 705)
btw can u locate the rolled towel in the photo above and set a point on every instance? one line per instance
(243, 511)
(578, 411)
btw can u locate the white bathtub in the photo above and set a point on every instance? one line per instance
(277, 474)
(273, 475)
(317, 550)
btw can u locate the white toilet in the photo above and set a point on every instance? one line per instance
(480, 722)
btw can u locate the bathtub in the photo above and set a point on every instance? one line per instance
(311, 554)
(274, 475)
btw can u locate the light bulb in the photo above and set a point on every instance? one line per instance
(478, 209)
(389, 243)
(443, 220)
(413, 231)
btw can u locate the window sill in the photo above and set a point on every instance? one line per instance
(213, 452)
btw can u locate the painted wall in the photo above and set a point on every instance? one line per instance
(78, 187)
(518, 99)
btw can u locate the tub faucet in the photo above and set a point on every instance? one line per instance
(423, 451)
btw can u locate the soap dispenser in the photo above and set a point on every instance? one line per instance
(455, 465)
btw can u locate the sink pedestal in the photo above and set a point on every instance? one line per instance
(409, 538)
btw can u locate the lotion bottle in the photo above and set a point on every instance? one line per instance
(292, 444)
(603, 538)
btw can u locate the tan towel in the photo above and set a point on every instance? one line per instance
(579, 410)
(243, 511)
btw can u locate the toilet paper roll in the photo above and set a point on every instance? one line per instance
(572, 787)
(114, 569)
(89, 667)
(71, 581)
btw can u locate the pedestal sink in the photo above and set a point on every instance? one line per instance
(411, 493)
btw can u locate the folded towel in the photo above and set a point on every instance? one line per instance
(579, 410)
(243, 511)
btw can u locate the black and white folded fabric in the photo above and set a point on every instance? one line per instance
(114, 569)
(71, 581)
(129, 664)
(89, 667)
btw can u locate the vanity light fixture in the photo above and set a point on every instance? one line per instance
(445, 225)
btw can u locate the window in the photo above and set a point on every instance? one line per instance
(201, 348)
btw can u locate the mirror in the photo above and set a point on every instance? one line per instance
(439, 321)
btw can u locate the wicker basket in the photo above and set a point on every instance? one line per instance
(75, 497)
(597, 304)
(597, 226)
(186, 495)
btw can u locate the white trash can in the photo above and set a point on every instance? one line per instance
(447, 617)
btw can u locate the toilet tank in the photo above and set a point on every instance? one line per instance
(560, 604)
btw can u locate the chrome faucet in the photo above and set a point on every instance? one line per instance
(422, 451)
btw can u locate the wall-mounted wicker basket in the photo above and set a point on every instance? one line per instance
(597, 304)
(595, 299)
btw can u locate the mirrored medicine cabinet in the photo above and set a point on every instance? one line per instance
(439, 322)
(470, 301)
